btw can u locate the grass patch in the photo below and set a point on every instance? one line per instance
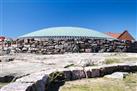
(102, 84)
(100, 87)
(130, 59)
(77, 87)
(131, 82)
(2, 84)
(112, 60)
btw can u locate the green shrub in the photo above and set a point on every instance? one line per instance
(56, 79)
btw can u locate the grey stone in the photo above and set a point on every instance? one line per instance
(95, 73)
(117, 75)
(16, 86)
(77, 73)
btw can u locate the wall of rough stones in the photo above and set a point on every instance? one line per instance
(38, 81)
(60, 46)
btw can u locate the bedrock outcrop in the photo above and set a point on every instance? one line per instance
(27, 72)
(37, 81)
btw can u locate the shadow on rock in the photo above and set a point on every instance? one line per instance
(56, 79)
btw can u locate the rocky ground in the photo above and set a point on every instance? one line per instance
(20, 65)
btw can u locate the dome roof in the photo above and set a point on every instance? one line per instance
(67, 31)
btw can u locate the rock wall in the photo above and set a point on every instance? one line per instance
(52, 46)
(38, 81)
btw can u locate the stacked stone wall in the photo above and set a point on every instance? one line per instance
(52, 46)
(61, 46)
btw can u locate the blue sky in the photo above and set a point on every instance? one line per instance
(18, 17)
